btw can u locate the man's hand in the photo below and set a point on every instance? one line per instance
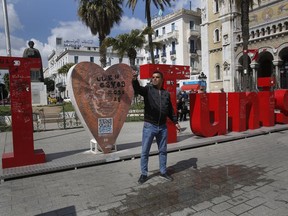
(178, 127)
(134, 73)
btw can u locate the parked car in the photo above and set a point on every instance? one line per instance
(67, 100)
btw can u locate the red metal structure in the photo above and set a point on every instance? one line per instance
(21, 109)
(171, 73)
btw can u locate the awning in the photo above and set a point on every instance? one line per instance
(195, 87)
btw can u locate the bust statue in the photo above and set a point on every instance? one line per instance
(31, 52)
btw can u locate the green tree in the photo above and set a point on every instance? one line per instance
(65, 68)
(127, 43)
(244, 6)
(100, 16)
(159, 4)
(50, 84)
(6, 82)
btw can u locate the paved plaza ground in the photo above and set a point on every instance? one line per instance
(237, 174)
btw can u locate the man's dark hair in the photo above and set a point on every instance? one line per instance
(158, 72)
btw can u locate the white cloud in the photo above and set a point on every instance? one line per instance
(71, 30)
(128, 23)
(186, 4)
(13, 19)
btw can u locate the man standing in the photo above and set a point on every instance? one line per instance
(157, 108)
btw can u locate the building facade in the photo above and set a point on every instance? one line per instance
(222, 47)
(180, 39)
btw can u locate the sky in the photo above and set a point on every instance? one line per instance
(44, 20)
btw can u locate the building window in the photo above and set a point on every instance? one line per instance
(217, 72)
(268, 30)
(286, 25)
(91, 59)
(274, 28)
(192, 46)
(263, 32)
(192, 25)
(163, 30)
(156, 33)
(192, 63)
(173, 27)
(76, 58)
(280, 27)
(163, 51)
(216, 35)
(173, 51)
(58, 41)
(216, 6)
(157, 53)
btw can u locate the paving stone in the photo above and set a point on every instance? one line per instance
(226, 179)
(202, 206)
(221, 207)
(237, 200)
(256, 201)
(218, 200)
(239, 209)
(261, 211)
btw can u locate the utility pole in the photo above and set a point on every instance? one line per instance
(7, 33)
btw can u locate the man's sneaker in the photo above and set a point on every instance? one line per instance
(142, 179)
(166, 176)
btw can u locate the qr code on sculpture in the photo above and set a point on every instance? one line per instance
(105, 125)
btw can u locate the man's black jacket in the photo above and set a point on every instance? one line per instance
(157, 102)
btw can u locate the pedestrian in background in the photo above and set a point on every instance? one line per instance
(157, 108)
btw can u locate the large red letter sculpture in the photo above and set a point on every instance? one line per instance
(243, 111)
(266, 108)
(171, 74)
(281, 98)
(208, 114)
(22, 122)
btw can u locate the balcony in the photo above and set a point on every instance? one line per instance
(193, 53)
(173, 55)
(170, 36)
(173, 52)
(163, 54)
(156, 56)
(194, 32)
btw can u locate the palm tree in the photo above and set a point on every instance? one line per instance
(244, 5)
(100, 16)
(65, 68)
(158, 4)
(127, 43)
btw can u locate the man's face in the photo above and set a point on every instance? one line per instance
(157, 80)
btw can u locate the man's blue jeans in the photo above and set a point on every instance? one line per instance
(149, 132)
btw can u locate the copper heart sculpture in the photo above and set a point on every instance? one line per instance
(103, 99)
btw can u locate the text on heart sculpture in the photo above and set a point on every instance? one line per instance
(103, 99)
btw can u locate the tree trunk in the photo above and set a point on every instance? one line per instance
(132, 54)
(102, 52)
(150, 42)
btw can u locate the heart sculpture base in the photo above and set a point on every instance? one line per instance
(101, 99)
